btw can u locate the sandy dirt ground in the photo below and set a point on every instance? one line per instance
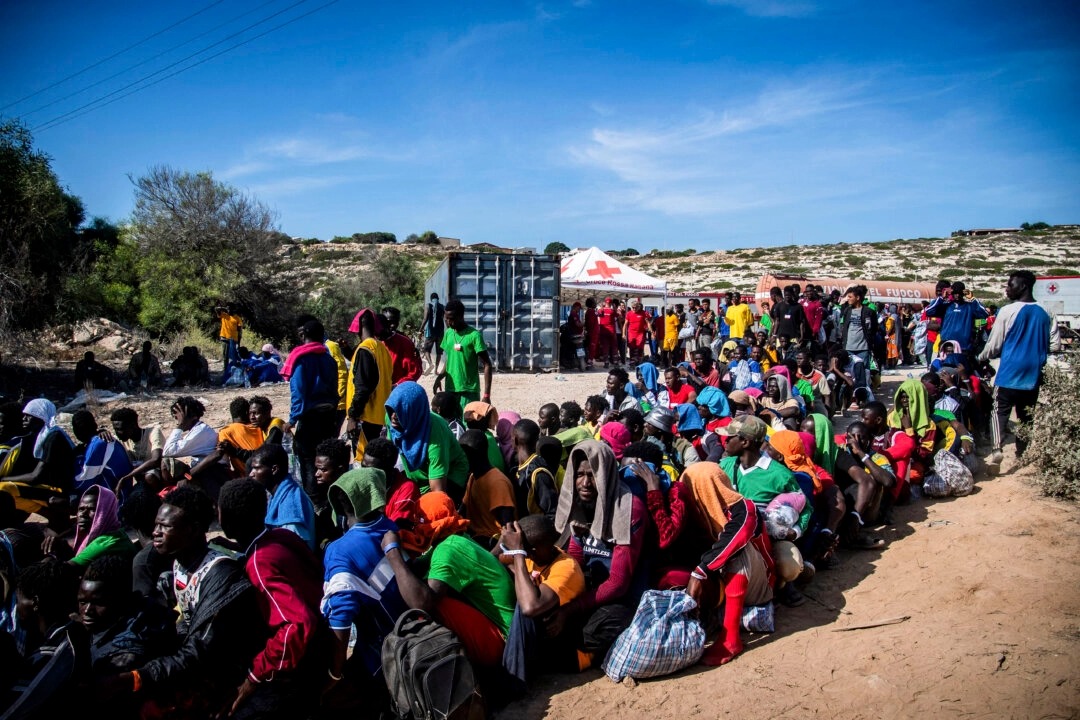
(988, 584)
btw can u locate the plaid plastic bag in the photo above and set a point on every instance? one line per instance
(661, 639)
(955, 473)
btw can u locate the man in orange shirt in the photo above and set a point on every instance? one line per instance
(232, 330)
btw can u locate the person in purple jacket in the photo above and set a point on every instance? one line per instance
(1023, 335)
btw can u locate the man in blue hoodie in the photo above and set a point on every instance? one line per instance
(958, 315)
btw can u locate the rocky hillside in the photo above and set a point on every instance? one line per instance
(981, 262)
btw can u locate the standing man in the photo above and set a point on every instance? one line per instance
(433, 327)
(788, 317)
(465, 352)
(313, 387)
(858, 325)
(738, 317)
(636, 331)
(706, 326)
(1022, 336)
(958, 315)
(232, 330)
(403, 354)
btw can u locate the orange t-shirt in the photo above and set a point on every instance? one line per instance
(230, 326)
(563, 575)
(245, 437)
(482, 495)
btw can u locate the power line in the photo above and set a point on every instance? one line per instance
(76, 113)
(155, 57)
(114, 55)
(174, 64)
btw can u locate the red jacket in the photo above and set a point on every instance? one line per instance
(405, 357)
(288, 580)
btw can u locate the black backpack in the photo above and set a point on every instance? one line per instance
(427, 673)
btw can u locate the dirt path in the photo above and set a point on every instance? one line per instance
(990, 583)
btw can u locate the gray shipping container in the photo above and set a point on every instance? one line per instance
(513, 300)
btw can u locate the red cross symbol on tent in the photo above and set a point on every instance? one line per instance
(1052, 288)
(601, 268)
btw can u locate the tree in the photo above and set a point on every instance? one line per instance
(202, 242)
(38, 222)
(555, 248)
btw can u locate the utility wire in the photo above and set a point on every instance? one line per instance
(76, 113)
(177, 62)
(155, 57)
(115, 54)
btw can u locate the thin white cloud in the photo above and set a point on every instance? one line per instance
(295, 185)
(769, 8)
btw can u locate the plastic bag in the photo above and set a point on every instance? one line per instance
(759, 618)
(662, 638)
(953, 470)
(935, 486)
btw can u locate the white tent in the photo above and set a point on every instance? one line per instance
(593, 270)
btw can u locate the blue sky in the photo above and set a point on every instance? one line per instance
(689, 123)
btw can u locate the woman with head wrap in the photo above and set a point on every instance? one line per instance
(429, 452)
(482, 608)
(358, 588)
(45, 467)
(603, 527)
(825, 447)
(912, 415)
(738, 568)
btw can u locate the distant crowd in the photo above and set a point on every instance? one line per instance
(370, 549)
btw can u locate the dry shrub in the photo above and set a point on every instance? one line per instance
(1053, 449)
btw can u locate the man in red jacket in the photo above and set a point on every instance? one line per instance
(284, 679)
(403, 352)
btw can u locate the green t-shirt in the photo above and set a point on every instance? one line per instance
(475, 573)
(114, 543)
(762, 484)
(572, 436)
(445, 458)
(462, 367)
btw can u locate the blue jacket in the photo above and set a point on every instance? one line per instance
(957, 319)
(313, 383)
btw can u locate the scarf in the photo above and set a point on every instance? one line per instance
(782, 370)
(616, 436)
(106, 518)
(715, 400)
(410, 403)
(376, 322)
(824, 442)
(610, 522)
(727, 349)
(689, 418)
(365, 488)
(791, 447)
(649, 376)
(713, 495)
(44, 411)
(919, 407)
(478, 410)
(298, 352)
(438, 520)
(783, 384)
(504, 435)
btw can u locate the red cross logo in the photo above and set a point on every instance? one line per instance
(601, 268)
(1052, 288)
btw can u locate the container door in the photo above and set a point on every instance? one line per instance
(475, 282)
(531, 318)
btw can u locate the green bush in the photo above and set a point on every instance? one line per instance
(1057, 461)
(1062, 271)
(1031, 262)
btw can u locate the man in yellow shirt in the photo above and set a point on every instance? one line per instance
(738, 317)
(232, 330)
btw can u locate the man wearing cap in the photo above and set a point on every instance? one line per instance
(679, 452)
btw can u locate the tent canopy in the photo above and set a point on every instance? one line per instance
(593, 270)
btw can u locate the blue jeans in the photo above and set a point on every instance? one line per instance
(229, 356)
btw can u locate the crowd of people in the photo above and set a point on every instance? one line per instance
(256, 570)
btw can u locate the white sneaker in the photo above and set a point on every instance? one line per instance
(995, 458)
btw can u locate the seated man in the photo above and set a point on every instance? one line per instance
(190, 368)
(545, 579)
(286, 674)
(466, 587)
(289, 508)
(236, 441)
(534, 487)
(143, 446)
(44, 472)
(45, 683)
(144, 370)
(220, 628)
(332, 459)
(863, 474)
(489, 496)
(125, 629)
(850, 380)
(548, 419)
(360, 591)
(104, 460)
(402, 494)
(90, 374)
